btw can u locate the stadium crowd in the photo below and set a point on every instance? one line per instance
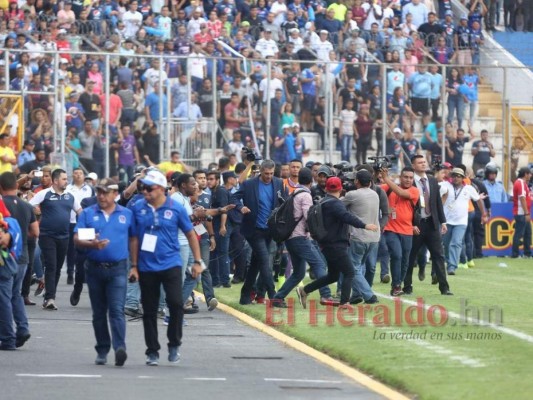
(118, 234)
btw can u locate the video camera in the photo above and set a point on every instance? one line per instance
(345, 172)
(249, 154)
(436, 162)
(381, 162)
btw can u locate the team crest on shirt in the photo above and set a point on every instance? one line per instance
(143, 212)
(122, 219)
(96, 218)
(67, 196)
(168, 214)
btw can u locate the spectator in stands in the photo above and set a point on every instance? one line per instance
(431, 30)
(470, 91)
(462, 42)
(476, 41)
(482, 150)
(455, 98)
(441, 52)
(418, 10)
(457, 145)
(7, 156)
(132, 20)
(364, 126)
(420, 84)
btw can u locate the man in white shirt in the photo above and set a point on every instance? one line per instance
(323, 47)
(193, 27)
(133, 20)
(374, 14)
(75, 263)
(456, 199)
(267, 46)
(418, 10)
(152, 76)
(197, 66)
(279, 9)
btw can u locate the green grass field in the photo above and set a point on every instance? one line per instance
(459, 360)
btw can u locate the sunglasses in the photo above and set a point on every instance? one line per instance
(149, 189)
(456, 176)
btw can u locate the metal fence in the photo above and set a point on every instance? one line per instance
(200, 140)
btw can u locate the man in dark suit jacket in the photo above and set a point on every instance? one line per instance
(431, 229)
(259, 197)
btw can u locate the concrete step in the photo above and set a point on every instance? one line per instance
(490, 96)
(312, 140)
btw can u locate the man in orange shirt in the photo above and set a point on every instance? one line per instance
(398, 232)
(291, 183)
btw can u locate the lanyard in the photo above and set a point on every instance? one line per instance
(456, 194)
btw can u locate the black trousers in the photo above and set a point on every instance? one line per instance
(71, 252)
(150, 284)
(479, 234)
(432, 238)
(237, 252)
(260, 265)
(339, 261)
(53, 252)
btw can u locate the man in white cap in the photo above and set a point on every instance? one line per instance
(158, 220)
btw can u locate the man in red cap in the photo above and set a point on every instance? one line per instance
(335, 245)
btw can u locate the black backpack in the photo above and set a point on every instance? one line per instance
(281, 222)
(315, 220)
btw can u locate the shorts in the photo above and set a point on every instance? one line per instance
(309, 102)
(420, 105)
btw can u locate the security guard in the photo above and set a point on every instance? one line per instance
(104, 230)
(158, 220)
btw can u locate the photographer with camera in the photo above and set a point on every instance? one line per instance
(249, 158)
(432, 227)
(319, 190)
(399, 229)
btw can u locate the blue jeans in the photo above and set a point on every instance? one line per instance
(38, 262)
(302, 251)
(453, 243)
(133, 294)
(360, 252)
(7, 333)
(522, 232)
(456, 105)
(369, 266)
(220, 264)
(107, 292)
(17, 302)
(399, 249)
(346, 147)
(383, 257)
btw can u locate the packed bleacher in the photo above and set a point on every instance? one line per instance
(314, 48)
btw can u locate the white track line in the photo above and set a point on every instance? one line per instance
(299, 380)
(509, 331)
(205, 379)
(465, 360)
(58, 376)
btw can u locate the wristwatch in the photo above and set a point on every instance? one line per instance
(199, 262)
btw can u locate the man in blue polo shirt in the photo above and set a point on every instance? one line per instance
(104, 230)
(56, 204)
(154, 261)
(420, 84)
